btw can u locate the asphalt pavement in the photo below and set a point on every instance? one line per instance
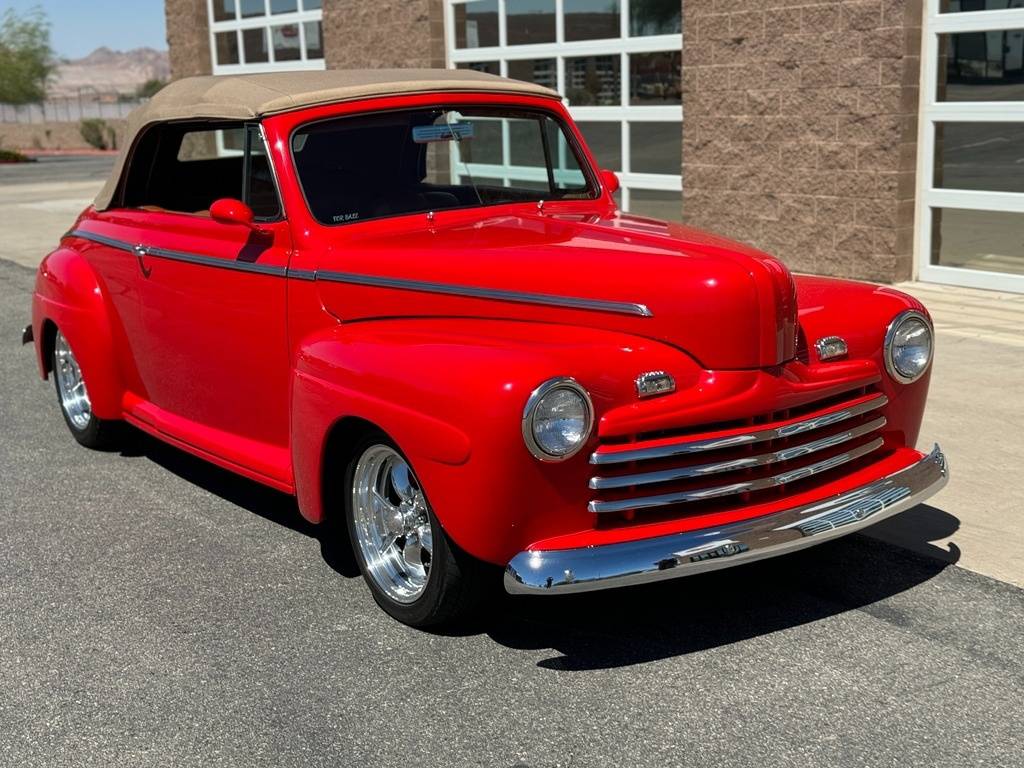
(155, 610)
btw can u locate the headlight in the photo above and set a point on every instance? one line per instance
(557, 419)
(908, 346)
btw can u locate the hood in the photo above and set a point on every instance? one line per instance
(726, 305)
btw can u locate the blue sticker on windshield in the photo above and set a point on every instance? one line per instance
(424, 134)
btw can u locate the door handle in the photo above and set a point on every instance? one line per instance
(141, 252)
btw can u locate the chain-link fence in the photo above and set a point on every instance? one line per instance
(70, 109)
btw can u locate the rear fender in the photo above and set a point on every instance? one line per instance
(70, 296)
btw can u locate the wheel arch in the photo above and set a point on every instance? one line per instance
(70, 296)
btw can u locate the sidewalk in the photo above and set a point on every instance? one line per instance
(976, 412)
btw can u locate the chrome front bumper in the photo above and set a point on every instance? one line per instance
(682, 554)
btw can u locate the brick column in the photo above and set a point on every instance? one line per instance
(385, 33)
(800, 129)
(188, 38)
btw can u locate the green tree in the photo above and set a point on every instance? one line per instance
(149, 88)
(26, 59)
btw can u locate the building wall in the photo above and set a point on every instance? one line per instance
(188, 37)
(799, 129)
(52, 135)
(385, 33)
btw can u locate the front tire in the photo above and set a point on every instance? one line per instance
(414, 573)
(73, 396)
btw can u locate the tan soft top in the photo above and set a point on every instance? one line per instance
(247, 97)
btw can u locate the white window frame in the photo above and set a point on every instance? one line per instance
(624, 113)
(265, 22)
(933, 112)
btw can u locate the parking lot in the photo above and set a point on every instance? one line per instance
(155, 610)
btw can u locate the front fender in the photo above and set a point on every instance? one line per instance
(69, 294)
(451, 393)
(860, 313)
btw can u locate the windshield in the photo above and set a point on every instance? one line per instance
(392, 163)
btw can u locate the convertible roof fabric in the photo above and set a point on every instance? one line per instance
(247, 97)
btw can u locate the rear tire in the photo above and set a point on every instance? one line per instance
(413, 571)
(73, 397)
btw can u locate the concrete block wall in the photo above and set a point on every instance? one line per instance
(188, 37)
(51, 135)
(800, 129)
(384, 33)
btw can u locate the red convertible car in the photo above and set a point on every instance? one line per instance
(409, 299)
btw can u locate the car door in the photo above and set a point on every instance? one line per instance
(212, 296)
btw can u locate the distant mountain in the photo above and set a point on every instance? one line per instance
(109, 71)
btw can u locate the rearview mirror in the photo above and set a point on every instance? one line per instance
(610, 181)
(227, 210)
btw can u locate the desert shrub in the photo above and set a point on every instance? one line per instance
(10, 156)
(95, 132)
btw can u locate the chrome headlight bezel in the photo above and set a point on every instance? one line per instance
(530, 411)
(890, 337)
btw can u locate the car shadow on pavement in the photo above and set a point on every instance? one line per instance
(617, 628)
(640, 624)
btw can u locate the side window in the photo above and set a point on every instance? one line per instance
(185, 167)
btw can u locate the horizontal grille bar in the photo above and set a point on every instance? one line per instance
(732, 465)
(699, 445)
(759, 484)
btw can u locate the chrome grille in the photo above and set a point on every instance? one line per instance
(696, 468)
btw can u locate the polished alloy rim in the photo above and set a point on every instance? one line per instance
(74, 398)
(392, 523)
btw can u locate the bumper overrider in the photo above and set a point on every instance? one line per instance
(666, 557)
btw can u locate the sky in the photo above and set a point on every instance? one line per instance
(78, 27)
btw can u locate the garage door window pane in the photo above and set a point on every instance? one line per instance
(311, 5)
(223, 10)
(490, 67)
(476, 24)
(591, 19)
(960, 6)
(593, 81)
(654, 17)
(988, 240)
(530, 21)
(252, 8)
(286, 42)
(314, 44)
(541, 71)
(656, 204)
(605, 142)
(982, 66)
(656, 148)
(254, 41)
(227, 47)
(284, 6)
(655, 78)
(979, 156)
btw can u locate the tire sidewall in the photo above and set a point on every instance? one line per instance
(422, 609)
(88, 435)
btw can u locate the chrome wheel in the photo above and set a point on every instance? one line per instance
(74, 398)
(392, 523)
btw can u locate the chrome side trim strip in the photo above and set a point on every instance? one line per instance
(606, 456)
(540, 572)
(714, 492)
(474, 292)
(744, 462)
(469, 291)
(188, 258)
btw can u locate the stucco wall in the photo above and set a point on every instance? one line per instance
(799, 129)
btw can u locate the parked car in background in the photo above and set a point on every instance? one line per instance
(409, 299)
